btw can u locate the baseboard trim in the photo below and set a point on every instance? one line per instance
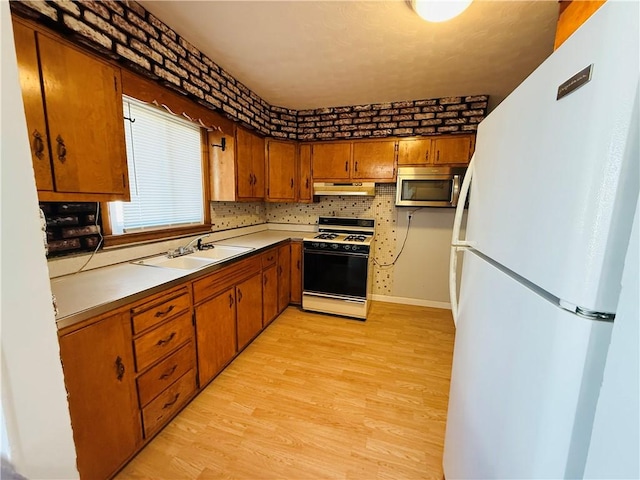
(411, 301)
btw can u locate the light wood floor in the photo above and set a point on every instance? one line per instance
(317, 396)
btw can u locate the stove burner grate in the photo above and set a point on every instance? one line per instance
(326, 236)
(355, 238)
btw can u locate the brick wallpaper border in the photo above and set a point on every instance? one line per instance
(126, 32)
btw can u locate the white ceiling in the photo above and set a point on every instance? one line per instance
(309, 54)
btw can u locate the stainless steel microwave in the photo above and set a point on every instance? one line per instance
(429, 186)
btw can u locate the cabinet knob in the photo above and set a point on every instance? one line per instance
(38, 144)
(292, 183)
(62, 149)
(356, 166)
(266, 280)
(230, 300)
(346, 166)
(239, 295)
(306, 185)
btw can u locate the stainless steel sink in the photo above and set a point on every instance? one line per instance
(197, 260)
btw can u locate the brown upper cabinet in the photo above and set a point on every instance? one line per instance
(573, 14)
(354, 161)
(237, 172)
(250, 161)
(73, 107)
(281, 171)
(305, 185)
(444, 150)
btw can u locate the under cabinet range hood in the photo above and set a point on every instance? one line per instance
(367, 189)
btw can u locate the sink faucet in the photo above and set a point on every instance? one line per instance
(188, 248)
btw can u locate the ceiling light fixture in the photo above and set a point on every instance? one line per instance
(439, 10)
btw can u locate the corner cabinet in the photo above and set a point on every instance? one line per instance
(281, 171)
(357, 161)
(237, 172)
(305, 182)
(73, 106)
(444, 150)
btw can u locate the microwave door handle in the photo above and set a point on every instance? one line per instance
(455, 190)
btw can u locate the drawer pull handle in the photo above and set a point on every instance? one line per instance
(168, 373)
(164, 312)
(356, 166)
(346, 166)
(306, 185)
(169, 404)
(38, 144)
(269, 259)
(119, 368)
(230, 300)
(164, 341)
(62, 149)
(292, 183)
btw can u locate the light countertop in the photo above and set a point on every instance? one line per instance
(87, 294)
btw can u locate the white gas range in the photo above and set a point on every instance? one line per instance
(337, 267)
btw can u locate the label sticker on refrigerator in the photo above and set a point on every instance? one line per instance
(575, 82)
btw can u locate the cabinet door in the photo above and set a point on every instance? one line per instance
(84, 111)
(456, 149)
(414, 152)
(25, 40)
(374, 161)
(296, 273)
(331, 161)
(284, 276)
(304, 174)
(269, 295)
(257, 159)
(215, 334)
(244, 154)
(281, 164)
(249, 310)
(99, 375)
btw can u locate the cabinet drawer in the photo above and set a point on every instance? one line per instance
(162, 340)
(165, 373)
(269, 258)
(149, 314)
(225, 278)
(168, 402)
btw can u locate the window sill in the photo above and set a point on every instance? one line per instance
(154, 235)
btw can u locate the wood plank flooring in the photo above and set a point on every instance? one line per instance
(319, 397)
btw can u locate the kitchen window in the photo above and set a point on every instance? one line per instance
(166, 171)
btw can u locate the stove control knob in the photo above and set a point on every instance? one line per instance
(348, 247)
(315, 244)
(334, 246)
(323, 245)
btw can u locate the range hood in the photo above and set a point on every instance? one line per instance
(367, 189)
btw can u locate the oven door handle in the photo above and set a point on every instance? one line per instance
(339, 254)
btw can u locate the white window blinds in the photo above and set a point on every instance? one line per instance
(165, 171)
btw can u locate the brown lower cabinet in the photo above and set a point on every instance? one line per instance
(130, 371)
(216, 334)
(249, 309)
(99, 374)
(284, 276)
(296, 272)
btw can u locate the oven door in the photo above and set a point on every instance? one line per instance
(428, 191)
(335, 273)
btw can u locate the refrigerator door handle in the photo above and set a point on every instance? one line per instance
(456, 244)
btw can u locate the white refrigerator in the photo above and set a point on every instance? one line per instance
(554, 186)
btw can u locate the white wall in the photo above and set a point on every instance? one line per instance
(422, 271)
(615, 439)
(34, 403)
